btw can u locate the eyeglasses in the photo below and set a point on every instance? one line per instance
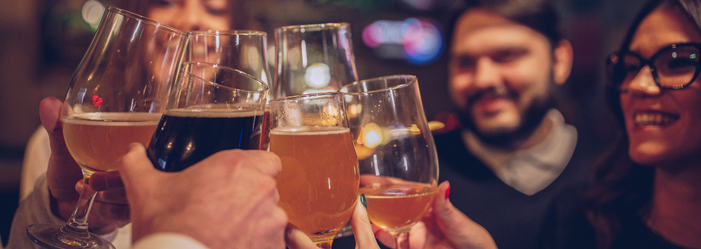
(672, 67)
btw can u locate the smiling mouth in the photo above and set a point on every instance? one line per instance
(655, 118)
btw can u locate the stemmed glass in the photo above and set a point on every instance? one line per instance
(313, 58)
(318, 184)
(396, 153)
(212, 108)
(115, 98)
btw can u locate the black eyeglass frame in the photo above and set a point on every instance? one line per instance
(617, 71)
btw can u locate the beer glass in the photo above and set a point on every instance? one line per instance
(318, 184)
(396, 153)
(212, 108)
(313, 58)
(116, 97)
(244, 50)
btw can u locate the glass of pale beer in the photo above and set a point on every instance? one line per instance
(212, 108)
(396, 153)
(319, 182)
(115, 98)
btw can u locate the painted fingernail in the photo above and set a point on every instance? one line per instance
(362, 201)
(447, 193)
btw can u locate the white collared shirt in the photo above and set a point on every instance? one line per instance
(533, 169)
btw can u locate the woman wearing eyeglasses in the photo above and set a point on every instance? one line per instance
(647, 192)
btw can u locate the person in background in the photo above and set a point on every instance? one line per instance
(647, 191)
(515, 153)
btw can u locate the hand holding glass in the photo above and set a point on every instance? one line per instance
(396, 153)
(115, 98)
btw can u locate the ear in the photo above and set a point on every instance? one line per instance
(562, 61)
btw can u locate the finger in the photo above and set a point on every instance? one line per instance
(50, 115)
(362, 230)
(136, 169)
(103, 181)
(296, 239)
(63, 171)
(384, 237)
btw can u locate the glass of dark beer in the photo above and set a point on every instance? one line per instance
(211, 108)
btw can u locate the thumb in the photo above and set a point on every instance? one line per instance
(444, 210)
(460, 230)
(136, 169)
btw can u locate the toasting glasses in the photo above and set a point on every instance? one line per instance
(396, 153)
(115, 98)
(318, 184)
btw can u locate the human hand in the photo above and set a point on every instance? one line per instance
(228, 200)
(64, 178)
(443, 227)
(362, 231)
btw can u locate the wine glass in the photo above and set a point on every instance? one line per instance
(115, 98)
(313, 58)
(318, 184)
(396, 153)
(212, 108)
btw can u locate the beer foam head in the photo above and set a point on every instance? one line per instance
(110, 118)
(309, 130)
(213, 113)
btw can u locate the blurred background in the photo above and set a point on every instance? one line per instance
(42, 42)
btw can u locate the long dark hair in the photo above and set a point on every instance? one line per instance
(621, 187)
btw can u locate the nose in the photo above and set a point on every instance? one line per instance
(643, 83)
(189, 17)
(487, 74)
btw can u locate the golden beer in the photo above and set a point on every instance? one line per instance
(397, 207)
(98, 140)
(319, 182)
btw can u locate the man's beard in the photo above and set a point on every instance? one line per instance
(530, 118)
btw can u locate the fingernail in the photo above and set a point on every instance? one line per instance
(447, 193)
(362, 201)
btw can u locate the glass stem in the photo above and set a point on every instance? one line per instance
(324, 244)
(402, 240)
(77, 224)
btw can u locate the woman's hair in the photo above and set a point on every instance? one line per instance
(239, 17)
(620, 186)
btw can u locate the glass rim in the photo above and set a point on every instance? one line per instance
(141, 18)
(313, 27)
(307, 95)
(412, 80)
(238, 72)
(243, 32)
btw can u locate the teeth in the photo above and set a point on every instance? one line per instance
(654, 119)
